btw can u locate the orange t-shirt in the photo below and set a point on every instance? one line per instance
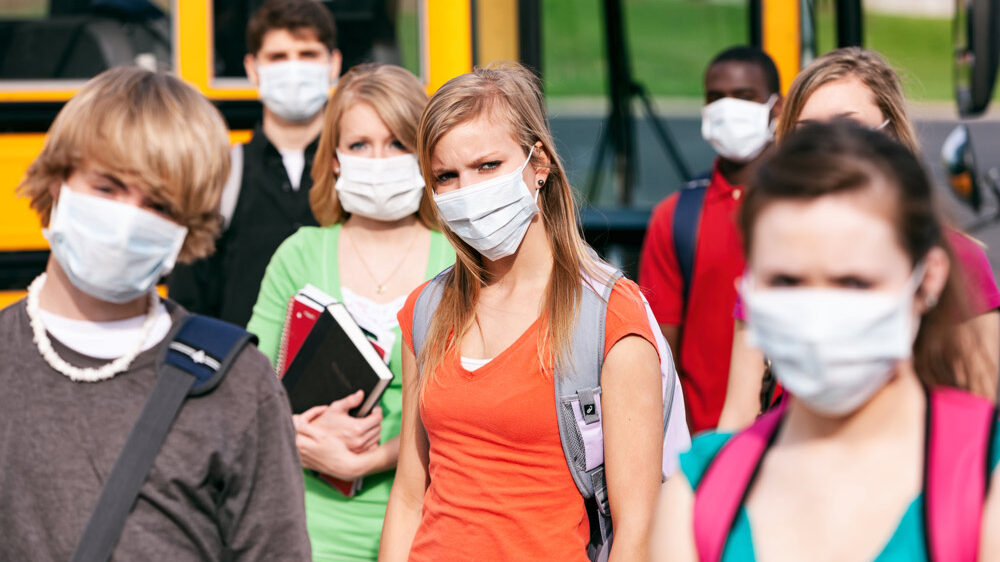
(500, 488)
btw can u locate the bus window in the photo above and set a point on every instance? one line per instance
(367, 30)
(46, 40)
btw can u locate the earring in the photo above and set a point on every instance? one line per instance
(541, 183)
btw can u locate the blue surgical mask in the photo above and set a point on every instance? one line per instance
(112, 251)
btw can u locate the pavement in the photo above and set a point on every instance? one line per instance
(577, 124)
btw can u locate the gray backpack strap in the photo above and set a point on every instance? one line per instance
(423, 309)
(231, 191)
(578, 402)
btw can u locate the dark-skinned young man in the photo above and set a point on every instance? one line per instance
(692, 255)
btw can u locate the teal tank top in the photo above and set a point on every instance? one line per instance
(906, 543)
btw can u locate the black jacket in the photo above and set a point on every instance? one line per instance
(268, 210)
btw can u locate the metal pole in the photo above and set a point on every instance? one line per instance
(620, 88)
(850, 23)
(529, 16)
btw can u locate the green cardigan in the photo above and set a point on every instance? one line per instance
(339, 528)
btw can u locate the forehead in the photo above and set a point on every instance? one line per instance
(359, 118)
(470, 138)
(845, 97)
(281, 39)
(735, 75)
(844, 232)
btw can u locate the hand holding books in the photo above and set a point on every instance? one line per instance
(333, 442)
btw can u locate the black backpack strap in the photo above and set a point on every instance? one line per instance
(198, 353)
(687, 216)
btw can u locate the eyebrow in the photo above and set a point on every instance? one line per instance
(109, 178)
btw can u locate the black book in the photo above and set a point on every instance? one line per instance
(336, 360)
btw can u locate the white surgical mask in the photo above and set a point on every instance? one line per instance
(112, 251)
(294, 90)
(384, 189)
(491, 216)
(738, 130)
(832, 348)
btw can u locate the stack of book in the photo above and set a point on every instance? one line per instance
(325, 356)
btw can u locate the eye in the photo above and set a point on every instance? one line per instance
(104, 188)
(398, 145)
(853, 282)
(357, 145)
(783, 280)
(490, 166)
(444, 177)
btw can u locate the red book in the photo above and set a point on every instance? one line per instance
(305, 310)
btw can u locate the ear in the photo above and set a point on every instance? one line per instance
(541, 163)
(336, 164)
(336, 60)
(935, 278)
(250, 65)
(776, 108)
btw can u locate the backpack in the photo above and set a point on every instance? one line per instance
(578, 397)
(687, 217)
(193, 360)
(958, 439)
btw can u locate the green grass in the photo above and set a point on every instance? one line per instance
(672, 41)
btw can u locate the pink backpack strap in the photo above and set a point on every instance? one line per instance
(720, 492)
(957, 472)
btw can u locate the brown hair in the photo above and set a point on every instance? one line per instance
(510, 95)
(147, 129)
(299, 17)
(865, 65)
(841, 157)
(398, 98)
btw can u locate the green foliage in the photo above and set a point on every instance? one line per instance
(671, 42)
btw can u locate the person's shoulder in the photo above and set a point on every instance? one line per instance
(625, 293)
(704, 448)
(663, 212)
(13, 311)
(306, 241)
(250, 379)
(13, 319)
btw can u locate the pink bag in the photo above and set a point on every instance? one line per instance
(956, 476)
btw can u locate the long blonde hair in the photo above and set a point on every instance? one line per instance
(398, 98)
(511, 95)
(873, 71)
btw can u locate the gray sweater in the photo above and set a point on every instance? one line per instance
(226, 485)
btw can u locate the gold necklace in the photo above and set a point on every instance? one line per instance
(380, 285)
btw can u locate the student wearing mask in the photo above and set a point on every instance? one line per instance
(861, 462)
(292, 60)
(378, 241)
(857, 84)
(82, 353)
(692, 253)
(482, 472)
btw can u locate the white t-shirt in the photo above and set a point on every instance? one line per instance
(106, 340)
(295, 162)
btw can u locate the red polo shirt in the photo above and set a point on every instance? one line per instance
(707, 331)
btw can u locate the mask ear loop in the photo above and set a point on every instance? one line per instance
(882, 126)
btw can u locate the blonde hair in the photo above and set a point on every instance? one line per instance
(510, 95)
(147, 129)
(398, 98)
(865, 65)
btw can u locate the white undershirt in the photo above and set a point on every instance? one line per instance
(295, 162)
(470, 364)
(106, 340)
(379, 318)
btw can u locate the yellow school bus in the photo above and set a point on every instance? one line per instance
(49, 48)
